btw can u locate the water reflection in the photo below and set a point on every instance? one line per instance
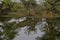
(9, 29)
(28, 30)
(32, 35)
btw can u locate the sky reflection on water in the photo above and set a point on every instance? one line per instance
(23, 34)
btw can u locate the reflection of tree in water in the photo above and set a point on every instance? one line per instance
(9, 28)
(33, 13)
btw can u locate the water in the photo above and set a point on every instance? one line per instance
(23, 32)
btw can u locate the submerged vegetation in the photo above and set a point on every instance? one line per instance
(50, 9)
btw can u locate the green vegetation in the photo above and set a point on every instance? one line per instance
(34, 13)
